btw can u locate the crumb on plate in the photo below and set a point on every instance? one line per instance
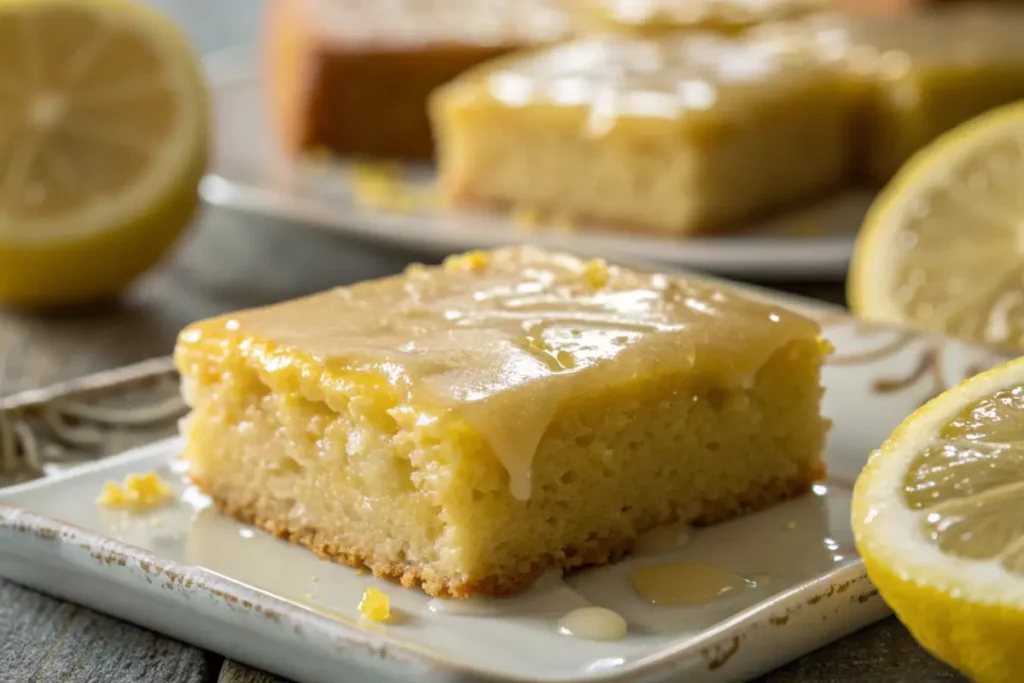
(375, 605)
(139, 491)
(382, 186)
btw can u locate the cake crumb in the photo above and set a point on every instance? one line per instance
(375, 605)
(139, 491)
(475, 261)
(595, 272)
(384, 187)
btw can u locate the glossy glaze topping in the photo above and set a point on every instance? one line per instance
(890, 46)
(485, 22)
(500, 339)
(667, 76)
(685, 13)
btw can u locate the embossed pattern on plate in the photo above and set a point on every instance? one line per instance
(45, 431)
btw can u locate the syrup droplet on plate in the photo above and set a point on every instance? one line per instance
(593, 623)
(686, 584)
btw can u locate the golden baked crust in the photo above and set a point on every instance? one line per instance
(606, 551)
(554, 216)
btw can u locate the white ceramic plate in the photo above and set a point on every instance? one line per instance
(196, 575)
(250, 174)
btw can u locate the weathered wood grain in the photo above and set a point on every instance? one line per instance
(233, 672)
(44, 640)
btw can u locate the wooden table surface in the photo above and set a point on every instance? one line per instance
(227, 262)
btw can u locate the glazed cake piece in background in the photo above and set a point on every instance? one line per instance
(677, 134)
(353, 76)
(919, 75)
(467, 427)
(649, 16)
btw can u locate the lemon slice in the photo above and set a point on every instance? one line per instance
(938, 516)
(942, 248)
(103, 126)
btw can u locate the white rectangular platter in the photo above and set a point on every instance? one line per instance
(251, 175)
(189, 572)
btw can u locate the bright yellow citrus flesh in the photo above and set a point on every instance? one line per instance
(938, 516)
(942, 249)
(103, 140)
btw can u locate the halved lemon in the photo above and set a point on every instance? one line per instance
(103, 140)
(938, 516)
(942, 248)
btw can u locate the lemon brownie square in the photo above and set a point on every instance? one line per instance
(467, 427)
(353, 76)
(920, 74)
(673, 134)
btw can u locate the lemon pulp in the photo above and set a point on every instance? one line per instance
(942, 249)
(970, 484)
(938, 515)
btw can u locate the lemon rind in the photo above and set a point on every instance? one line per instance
(889, 534)
(872, 264)
(173, 161)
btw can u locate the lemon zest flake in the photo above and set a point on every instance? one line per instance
(382, 186)
(375, 605)
(139, 492)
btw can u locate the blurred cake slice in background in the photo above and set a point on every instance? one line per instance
(352, 76)
(920, 75)
(682, 133)
(727, 16)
